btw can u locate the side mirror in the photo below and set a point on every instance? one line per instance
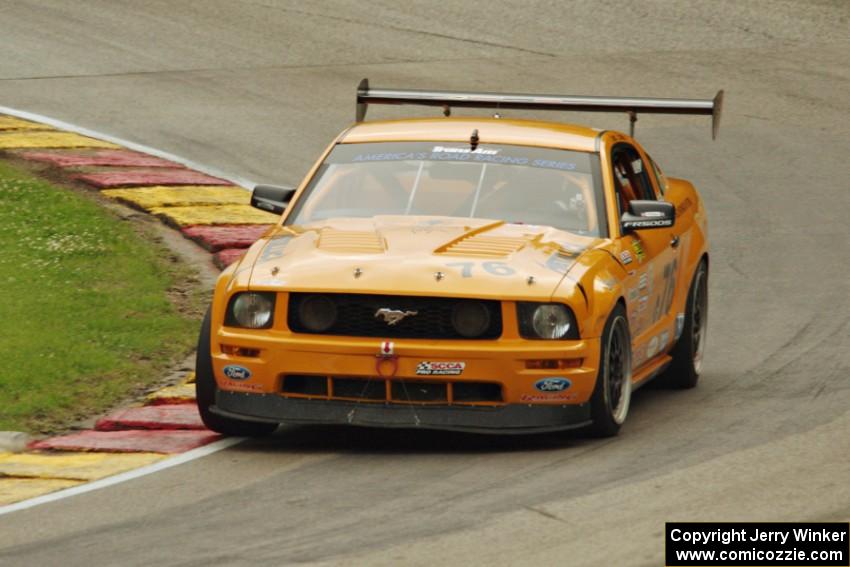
(271, 198)
(648, 214)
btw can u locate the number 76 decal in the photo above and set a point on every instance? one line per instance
(493, 268)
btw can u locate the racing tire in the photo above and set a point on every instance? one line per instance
(683, 372)
(205, 389)
(609, 404)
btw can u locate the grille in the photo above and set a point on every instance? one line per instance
(433, 319)
(476, 392)
(359, 388)
(305, 385)
(400, 391)
(420, 391)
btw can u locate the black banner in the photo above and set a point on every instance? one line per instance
(744, 544)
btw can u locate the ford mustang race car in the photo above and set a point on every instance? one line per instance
(478, 274)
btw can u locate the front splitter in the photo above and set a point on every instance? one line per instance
(505, 419)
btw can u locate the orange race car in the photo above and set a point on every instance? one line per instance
(476, 274)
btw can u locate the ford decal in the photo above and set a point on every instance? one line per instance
(235, 372)
(552, 384)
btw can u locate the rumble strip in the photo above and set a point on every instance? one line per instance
(206, 208)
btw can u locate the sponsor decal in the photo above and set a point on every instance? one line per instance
(683, 206)
(560, 261)
(638, 248)
(552, 164)
(242, 386)
(428, 226)
(670, 273)
(455, 152)
(569, 248)
(626, 257)
(656, 312)
(608, 283)
(554, 384)
(443, 153)
(680, 325)
(559, 397)
(236, 372)
(275, 248)
(652, 347)
(647, 223)
(440, 368)
(479, 151)
(643, 281)
(665, 339)
(500, 269)
(390, 156)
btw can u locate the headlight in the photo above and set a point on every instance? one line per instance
(251, 310)
(317, 313)
(546, 321)
(470, 319)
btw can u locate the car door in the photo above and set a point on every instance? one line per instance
(678, 282)
(649, 256)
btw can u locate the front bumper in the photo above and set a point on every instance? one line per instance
(509, 418)
(504, 361)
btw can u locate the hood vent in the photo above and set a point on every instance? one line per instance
(483, 246)
(350, 242)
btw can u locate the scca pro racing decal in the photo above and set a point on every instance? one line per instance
(552, 385)
(440, 368)
(236, 372)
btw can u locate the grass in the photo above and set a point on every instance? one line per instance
(85, 314)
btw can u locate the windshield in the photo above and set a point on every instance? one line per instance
(517, 184)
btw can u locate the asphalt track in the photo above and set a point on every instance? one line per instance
(258, 88)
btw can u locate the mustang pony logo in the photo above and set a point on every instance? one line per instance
(393, 316)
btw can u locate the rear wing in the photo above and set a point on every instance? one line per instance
(448, 99)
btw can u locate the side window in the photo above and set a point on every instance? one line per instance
(631, 179)
(659, 177)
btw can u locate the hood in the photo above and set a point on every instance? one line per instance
(414, 255)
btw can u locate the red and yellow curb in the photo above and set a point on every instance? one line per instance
(127, 439)
(184, 196)
(210, 211)
(16, 124)
(48, 139)
(83, 158)
(179, 394)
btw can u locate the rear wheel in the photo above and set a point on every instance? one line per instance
(205, 389)
(612, 394)
(683, 372)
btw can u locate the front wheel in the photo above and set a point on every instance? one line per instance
(205, 389)
(609, 404)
